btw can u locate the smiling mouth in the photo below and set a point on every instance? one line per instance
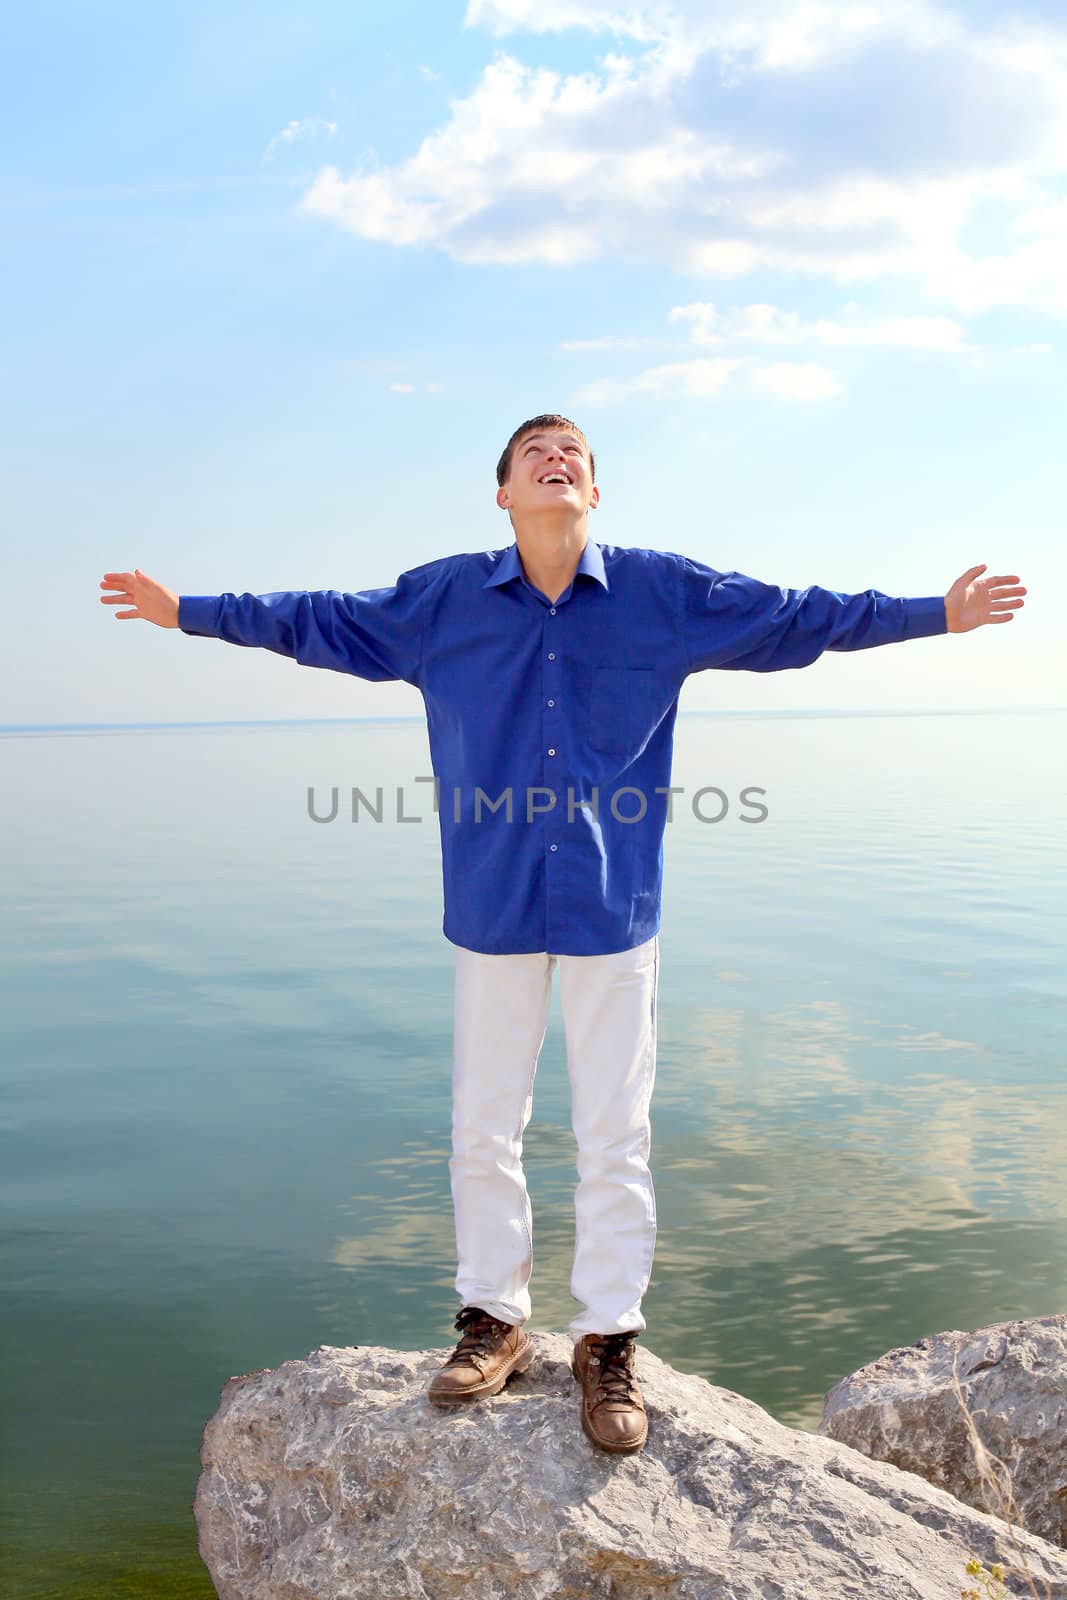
(555, 477)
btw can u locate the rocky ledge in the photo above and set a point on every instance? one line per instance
(1011, 1457)
(334, 1478)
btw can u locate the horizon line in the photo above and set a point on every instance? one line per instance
(17, 729)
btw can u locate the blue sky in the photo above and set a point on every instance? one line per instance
(280, 282)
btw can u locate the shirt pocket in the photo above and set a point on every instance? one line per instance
(627, 705)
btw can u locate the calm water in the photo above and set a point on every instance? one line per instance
(226, 1054)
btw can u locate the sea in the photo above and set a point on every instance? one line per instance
(225, 1082)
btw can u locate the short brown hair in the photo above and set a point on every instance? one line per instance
(538, 425)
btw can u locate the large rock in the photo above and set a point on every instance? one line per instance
(1012, 1376)
(334, 1478)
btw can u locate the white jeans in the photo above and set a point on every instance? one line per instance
(609, 1019)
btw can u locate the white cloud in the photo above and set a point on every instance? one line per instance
(736, 328)
(706, 378)
(523, 171)
(307, 128)
(402, 388)
(701, 379)
(900, 333)
(768, 324)
(772, 34)
(842, 140)
(790, 380)
(555, 16)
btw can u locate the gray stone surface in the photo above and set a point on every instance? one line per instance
(903, 1408)
(334, 1478)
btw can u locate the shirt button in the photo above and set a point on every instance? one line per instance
(553, 847)
(552, 611)
(551, 702)
(552, 655)
(551, 752)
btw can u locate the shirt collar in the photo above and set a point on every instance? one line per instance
(509, 566)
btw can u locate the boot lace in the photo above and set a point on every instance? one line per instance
(481, 1333)
(613, 1354)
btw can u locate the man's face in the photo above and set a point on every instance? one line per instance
(550, 472)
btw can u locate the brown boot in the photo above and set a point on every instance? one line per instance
(613, 1413)
(483, 1360)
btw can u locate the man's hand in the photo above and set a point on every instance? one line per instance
(972, 600)
(149, 599)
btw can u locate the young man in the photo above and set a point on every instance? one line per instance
(550, 671)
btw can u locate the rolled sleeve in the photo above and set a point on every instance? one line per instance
(375, 633)
(737, 623)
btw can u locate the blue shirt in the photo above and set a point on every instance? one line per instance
(559, 706)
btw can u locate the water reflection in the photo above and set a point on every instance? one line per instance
(227, 1037)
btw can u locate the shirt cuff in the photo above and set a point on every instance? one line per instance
(925, 617)
(199, 613)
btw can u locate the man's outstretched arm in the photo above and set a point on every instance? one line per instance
(375, 634)
(736, 622)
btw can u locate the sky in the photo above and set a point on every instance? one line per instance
(280, 281)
